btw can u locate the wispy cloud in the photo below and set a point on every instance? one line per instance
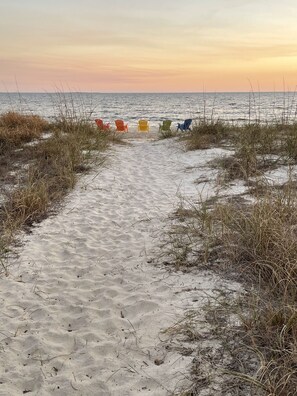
(147, 45)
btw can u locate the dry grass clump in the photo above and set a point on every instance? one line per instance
(257, 149)
(24, 207)
(242, 165)
(59, 154)
(17, 128)
(14, 120)
(167, 134)
(53, 164)
(263, 139)
(277, 139)
(271, 331)
(264, 237)
(289, 144)
(72, 125)
(261, 240)
(258, 241)
(10, 139)
(206, 133)
(57, 161)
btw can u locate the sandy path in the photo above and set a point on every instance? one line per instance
(83, 307)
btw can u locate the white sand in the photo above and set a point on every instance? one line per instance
(83, 305)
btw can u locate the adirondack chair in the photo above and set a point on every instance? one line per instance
(101, 125)
(143, 126)
(121, 127)
(185, 126)
(165, 126)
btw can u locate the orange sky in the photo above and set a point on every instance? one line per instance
(148, 46)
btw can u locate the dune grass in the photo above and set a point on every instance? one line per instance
(17, 121)
(261, 240)
(47, 169)
(254, 240)
(206, 133)
(258, 242)
(167, 134)
(257, 147)
(17, 128)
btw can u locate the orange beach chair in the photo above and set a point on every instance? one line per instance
(101, 125)
(121, 127)
(143, 126)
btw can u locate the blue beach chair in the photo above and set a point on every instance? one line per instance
(185, 126)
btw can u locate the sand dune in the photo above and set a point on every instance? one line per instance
(84, 304)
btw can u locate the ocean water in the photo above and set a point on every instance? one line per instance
(235, 107)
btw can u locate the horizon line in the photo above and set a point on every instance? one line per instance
(134, 93)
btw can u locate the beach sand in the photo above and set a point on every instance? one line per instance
(85, 303)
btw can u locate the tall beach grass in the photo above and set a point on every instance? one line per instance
(47, 165)
(255, 239)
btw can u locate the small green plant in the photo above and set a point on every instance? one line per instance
(166, 134)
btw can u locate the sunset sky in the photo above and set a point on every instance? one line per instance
(148, 45)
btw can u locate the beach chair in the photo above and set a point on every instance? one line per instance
(143, 126)
(101, 125)
(121, 126)
(165, 126)
(185, 126)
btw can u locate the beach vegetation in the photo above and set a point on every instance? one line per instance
(14, 121)
(251, 238)
(206, 133)
(17, 128)
(260, 240)
(43, 167)
(167, 134)
(257, 147)
(254, 242)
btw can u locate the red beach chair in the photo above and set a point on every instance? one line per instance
(121, 127)
(101, 125)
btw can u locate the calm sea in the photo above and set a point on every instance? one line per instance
(236, 107)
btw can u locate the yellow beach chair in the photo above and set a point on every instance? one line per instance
(143, 126)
